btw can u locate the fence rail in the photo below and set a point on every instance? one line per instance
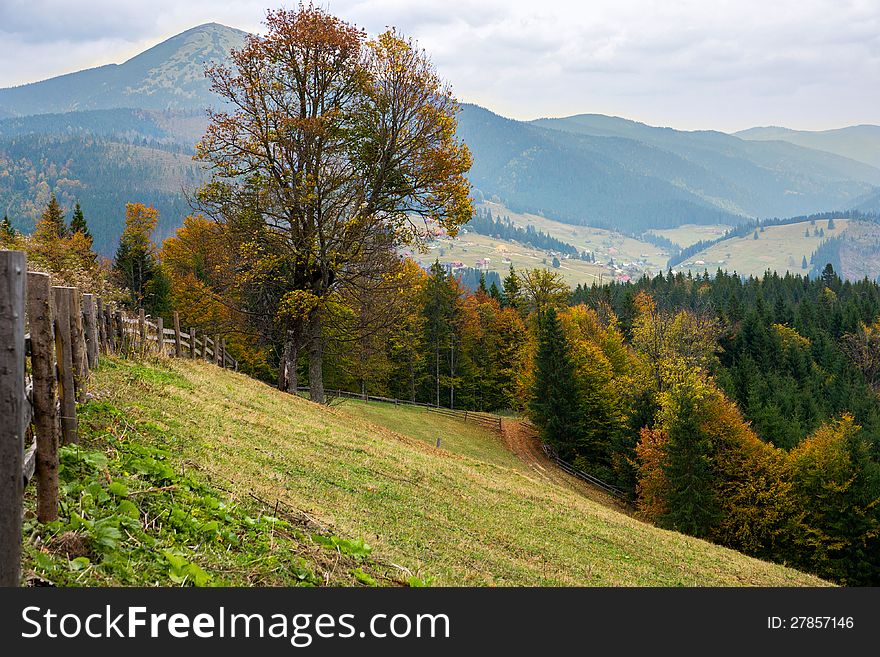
(487, 420)
(68, 333)
(583, 476)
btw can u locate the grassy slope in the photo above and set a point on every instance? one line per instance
(778, 248)
(688, 234)
(470, 516)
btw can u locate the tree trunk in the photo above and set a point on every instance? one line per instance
(283, 363)
(291, 359)
(316, 358)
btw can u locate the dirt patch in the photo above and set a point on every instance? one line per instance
(523, 441)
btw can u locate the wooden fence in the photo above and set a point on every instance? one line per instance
(68, 333)
(488, 420)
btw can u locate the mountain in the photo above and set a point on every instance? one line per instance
(858, 142)
(605, 182)
(747, 178)
(167, 76)
(126, 132)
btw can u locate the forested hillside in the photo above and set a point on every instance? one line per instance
(101, 173)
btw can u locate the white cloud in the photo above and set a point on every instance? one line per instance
(687, 63)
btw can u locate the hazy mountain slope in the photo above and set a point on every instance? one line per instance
(168, 75)
(858, 142)
(758, 178)
(581, 180)
(103, 174)
(870, 202)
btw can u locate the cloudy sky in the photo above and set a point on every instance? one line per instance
(691, 64)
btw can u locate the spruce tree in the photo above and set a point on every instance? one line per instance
(440, 297)
(511, 290)
(78, 223)
(6, 229)
(554, 404)
(495, 293)
(52, 224)
(804, 263)
(692, 505)
(481, 288)
(136, 264)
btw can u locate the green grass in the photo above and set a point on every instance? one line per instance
(462, 516)
(688, 234)
(465, 438)
(778, 248)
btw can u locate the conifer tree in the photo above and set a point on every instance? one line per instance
(78, 223)
(495, 293)
(511, 294)
(481, 288)
(691, 502)
(6, 229)
(440, 295)
(51, 224)
(554, 404)
(136, 264)
(804, 263)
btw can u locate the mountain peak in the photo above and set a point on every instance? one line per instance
(170, 75)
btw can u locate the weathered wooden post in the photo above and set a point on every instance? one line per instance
(108, 330)
(40, 321)
(90, 329)
(78, 346)
(223, 353)
(142, 330)
(160, 336)
(205, 346)
(192, 342)
(102, 327)
(64, 358)
(13, 265)
(216, 349)
(120, 331)
(178, 347)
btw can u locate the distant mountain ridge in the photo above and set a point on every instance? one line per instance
(169, 75)
(857, 142)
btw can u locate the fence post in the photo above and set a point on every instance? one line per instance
(192, 343)
(178, 348)
(78, 346)
(13, 265)
(216, 349)
(108, 330)
(40, 321)
(142, 330)
(205, 346)
(120, 331)
(160, 336)
(64, 359)
(90, 328)
(99, 327)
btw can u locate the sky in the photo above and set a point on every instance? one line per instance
(687, 64)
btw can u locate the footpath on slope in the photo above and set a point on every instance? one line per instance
(523, 441)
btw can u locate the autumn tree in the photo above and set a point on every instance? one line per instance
(542, 289)
(136, 265)
(341, 138)
(51, 224)
(836, 489)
